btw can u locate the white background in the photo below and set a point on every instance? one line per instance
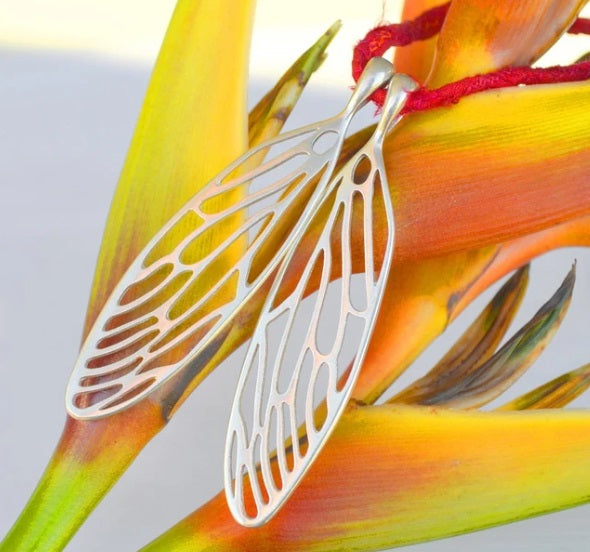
(72, 77)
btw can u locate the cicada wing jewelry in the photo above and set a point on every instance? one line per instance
(180, 295)
(307, 354)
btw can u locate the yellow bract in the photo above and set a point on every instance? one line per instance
(192, 124)
(391, 475)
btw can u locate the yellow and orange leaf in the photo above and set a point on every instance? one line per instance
(393, 475)
(556, 393)
(416, 58)
(477, 344)
(480, 36)
(184, 136)
(467, 385)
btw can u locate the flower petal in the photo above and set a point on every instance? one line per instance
(429, 477)
(480, 36)
(471, 387)
(416, 58)
(556, 393)
(423, 297)
(268, 116)
(573, 233)
(455, 173)
(474, 347)
(418, 304)
(184, 135)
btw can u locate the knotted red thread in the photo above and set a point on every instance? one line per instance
(380, 39)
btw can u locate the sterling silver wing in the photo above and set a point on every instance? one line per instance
(308, 353)
(183, 290)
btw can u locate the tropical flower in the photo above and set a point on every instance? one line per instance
(470, 208)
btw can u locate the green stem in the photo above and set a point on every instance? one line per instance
(89, 459)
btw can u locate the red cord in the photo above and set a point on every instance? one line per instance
(379, 40)
(580, 26)
(423, 99)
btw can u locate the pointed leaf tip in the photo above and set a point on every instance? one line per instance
(279, 101)
(496, 375)
(473, 348)
(489, 379)
(556, 393)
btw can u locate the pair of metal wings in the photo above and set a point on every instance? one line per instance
(234, 243)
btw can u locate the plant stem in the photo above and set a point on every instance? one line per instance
(89, 459)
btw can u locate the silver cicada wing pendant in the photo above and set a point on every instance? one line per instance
(313, 332)
(177, 300)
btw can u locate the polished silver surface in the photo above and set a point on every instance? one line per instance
(175, 300)
(299, 358)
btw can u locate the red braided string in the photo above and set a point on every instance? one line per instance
(379, 40)
(422, 98)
